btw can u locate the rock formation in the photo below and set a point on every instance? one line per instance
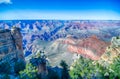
(10, 44)
(112, 51)
(91, 47)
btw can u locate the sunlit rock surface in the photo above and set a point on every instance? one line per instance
(91, 47)
(112, 51)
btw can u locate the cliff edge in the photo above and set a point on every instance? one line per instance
(10, 44)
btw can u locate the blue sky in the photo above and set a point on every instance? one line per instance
(60, 9)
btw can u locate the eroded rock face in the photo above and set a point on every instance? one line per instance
(112, 51)
(11, 44)
(91, 47)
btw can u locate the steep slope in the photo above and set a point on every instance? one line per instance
(90, 47)
(54, 50)
(112, 51)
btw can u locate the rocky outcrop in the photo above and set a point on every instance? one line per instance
(91, 47)
(10, 44)
(112, 51)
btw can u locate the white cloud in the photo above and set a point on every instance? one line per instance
(5, 1)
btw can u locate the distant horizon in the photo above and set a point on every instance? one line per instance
(60, 15)
(55, 19)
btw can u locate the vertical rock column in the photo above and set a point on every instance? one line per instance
(6, 43)
(17, 38)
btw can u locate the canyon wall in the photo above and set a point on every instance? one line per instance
(10, 44)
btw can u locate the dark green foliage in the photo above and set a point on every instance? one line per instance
(84, 68)
(5, 68)
(5, 76)
(52, 75)
(19, 66)
(65, 73)
(117, 37)
(63, 64)
(29, 73)
(115, 68)
(80, 69)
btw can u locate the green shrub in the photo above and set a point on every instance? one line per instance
(19, 66)
(29, 73)
(5, 68)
